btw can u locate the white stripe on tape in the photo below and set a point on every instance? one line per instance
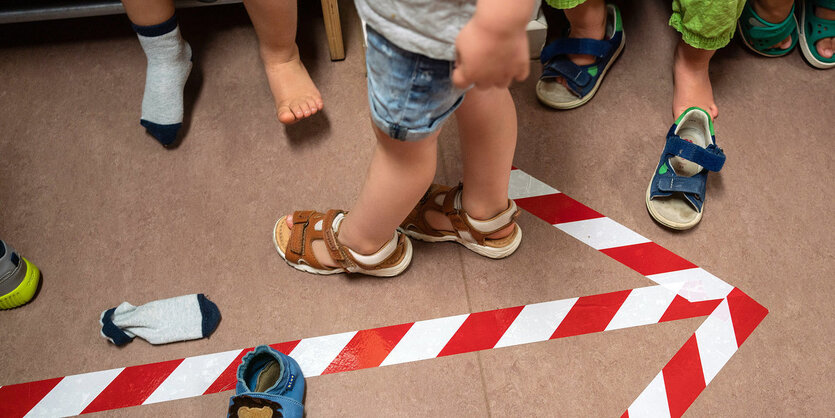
(192, 377)
(716, 340)
(73, 393)
(699, 285)
(314, 355)
(536, 322)
(652, 402)
(425, 339)
(602, 233)
(523, 185)
(643, 306)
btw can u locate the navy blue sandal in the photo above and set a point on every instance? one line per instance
(581, 81)
(676, 194)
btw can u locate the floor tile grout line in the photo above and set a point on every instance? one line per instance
(478, 353)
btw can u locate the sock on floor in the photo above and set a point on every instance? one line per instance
(169, 64)
(182, 318)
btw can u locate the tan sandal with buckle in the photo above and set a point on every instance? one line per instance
(469, 232)
(295, 245)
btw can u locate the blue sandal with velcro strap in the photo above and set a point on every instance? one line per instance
(676, 194)
(761, 36)
(581, 81)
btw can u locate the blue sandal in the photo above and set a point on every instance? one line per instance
(581, 81)
(813, 29)
(676, 194)
(760, 36)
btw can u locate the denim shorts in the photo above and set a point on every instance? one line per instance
(410, 95)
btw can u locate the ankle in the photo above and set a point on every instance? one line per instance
(275, 55)
(772, 12)
(359, 243)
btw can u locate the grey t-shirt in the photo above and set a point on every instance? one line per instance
(426, 27)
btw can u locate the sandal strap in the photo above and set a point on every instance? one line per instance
(302, 236)
(768, 34)
(474, 230)
(565, 46)
(711, 158)
(336, 250)
(577, 76)
(818, 28)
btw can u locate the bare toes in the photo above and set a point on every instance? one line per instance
(825, 47)
(285, 115)
(289, 221)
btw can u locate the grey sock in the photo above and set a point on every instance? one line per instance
(163, 321)
(169, 64)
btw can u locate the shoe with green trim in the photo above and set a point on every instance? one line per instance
(579, 83)
(18, 278)
(676, 194)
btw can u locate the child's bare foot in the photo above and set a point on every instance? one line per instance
(774, 13)
(825, 46)
(692, 81)
(296, 97)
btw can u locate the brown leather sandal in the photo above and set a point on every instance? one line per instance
(295, 245)
(469, 232)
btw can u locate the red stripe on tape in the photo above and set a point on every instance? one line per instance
(682, 308)
(132, 386)
(625, 415)
(591, 314)
(480, 331)
(17, 400)
(683, 377)
(557, 208)
(746, 314)
(368, 348)
(229, 377)
(648, 258)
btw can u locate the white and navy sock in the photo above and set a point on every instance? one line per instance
(164, 321)
(169, 64)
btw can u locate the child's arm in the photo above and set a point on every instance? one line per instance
(492, 47)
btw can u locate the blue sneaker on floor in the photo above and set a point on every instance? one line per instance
(270, 385)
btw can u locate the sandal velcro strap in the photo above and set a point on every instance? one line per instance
(773, 33)
(572, 72)
(680, 184)
(711, 158)
(296, 247)
(574, 46)
(335, 249)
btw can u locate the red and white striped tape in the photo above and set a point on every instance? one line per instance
(684, 291)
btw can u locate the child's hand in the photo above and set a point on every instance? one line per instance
(489, 55)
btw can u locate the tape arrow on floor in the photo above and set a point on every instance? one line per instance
(684, 291)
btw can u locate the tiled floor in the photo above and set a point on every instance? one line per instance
(110, 216)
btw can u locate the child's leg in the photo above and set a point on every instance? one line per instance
(148, 12)
(399, 174)
(588, 20)
(169, 64)
(487, 126)
(296, 97)
(701, 36)
(691, 80)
